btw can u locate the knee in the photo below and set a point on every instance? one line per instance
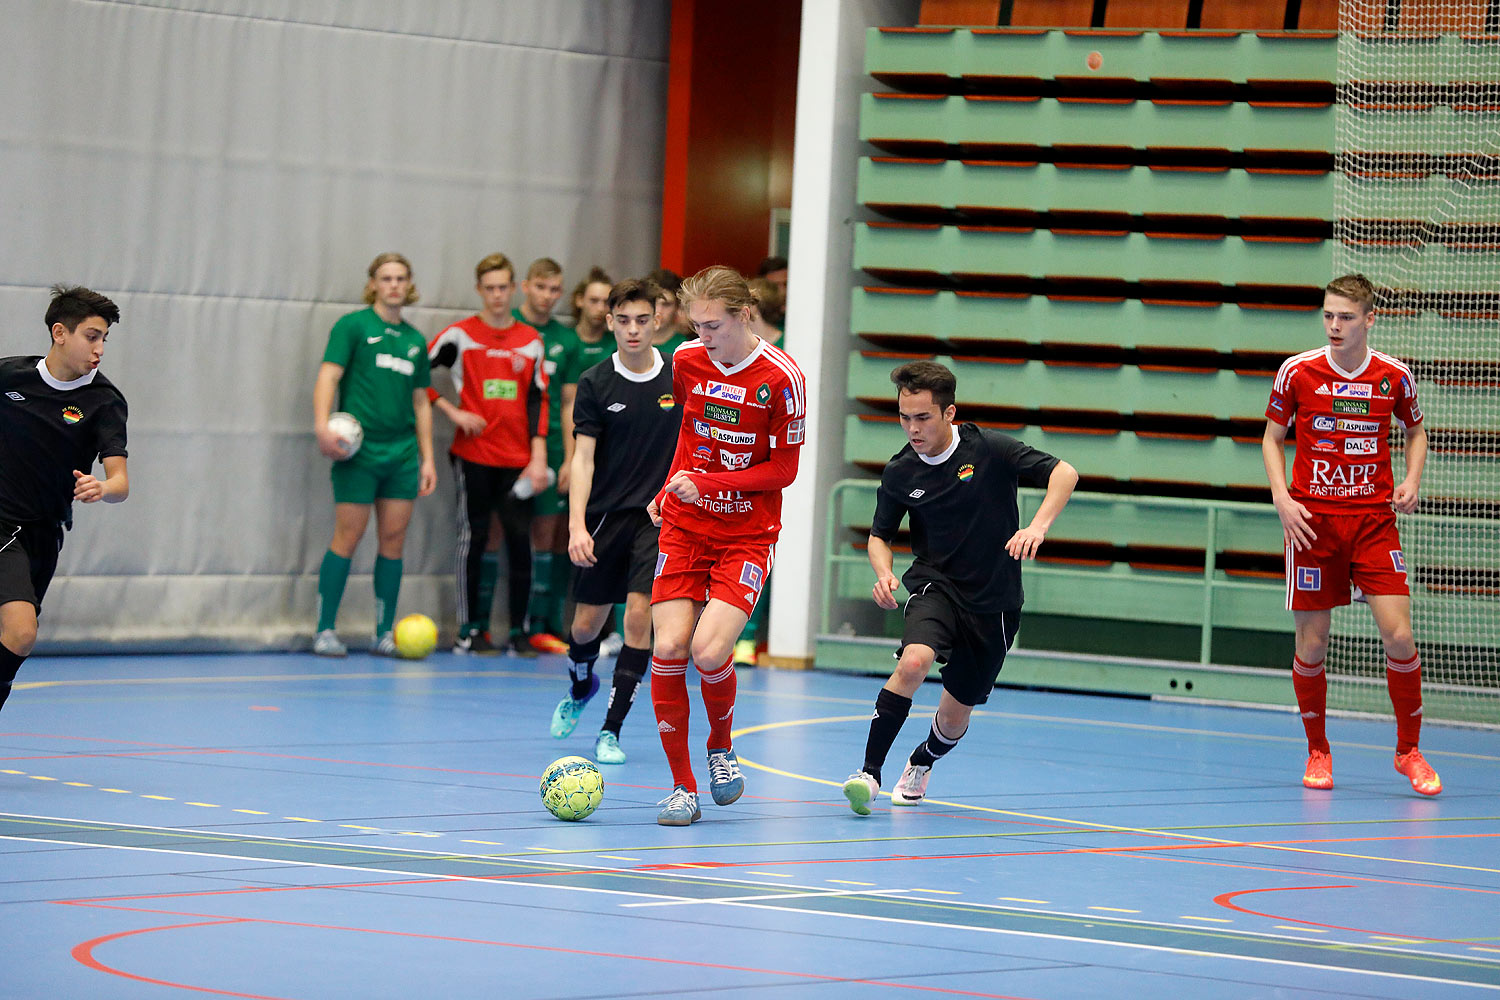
(953, 719)
(670, 647)
(1399, 643)
(911, 669)
(711, 653)
(20, 637)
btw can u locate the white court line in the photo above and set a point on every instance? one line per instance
(816, 894)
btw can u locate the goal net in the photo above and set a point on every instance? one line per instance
(1417, 210)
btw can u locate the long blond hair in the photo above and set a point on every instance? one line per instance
(720, 283)
(390, 257)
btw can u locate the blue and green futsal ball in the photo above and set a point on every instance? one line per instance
(572, 787)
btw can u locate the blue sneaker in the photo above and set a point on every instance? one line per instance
(565, 715)
(679, 809)
(607, 749)
(725, 782)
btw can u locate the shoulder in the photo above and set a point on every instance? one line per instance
(1294, 364)
(783, 361)
(104, 387)
(19, 364)
(351, 321)
(1393, 365)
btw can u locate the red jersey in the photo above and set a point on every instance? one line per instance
(498, 375)
(1343, 461)
(733, 419)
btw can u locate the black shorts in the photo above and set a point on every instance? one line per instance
(28, 558)
(970, 648)
(624, 558)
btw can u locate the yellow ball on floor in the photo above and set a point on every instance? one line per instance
(416, 636)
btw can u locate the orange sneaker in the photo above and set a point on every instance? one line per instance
(1423, 778)
(546, 642)
(1319, 773)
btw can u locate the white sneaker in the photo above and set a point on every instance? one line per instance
(861, 789)
(327, 644)
(911, 787)
(384, 645)
(611, 644)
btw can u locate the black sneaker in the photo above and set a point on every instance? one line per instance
(518, 645)
(475, 643)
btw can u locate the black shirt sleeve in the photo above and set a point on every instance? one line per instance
(1033, 467)
(587, 417)
(111, 431)
(889, 510)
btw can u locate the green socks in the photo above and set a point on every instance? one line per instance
(387, 588)
(332, 576)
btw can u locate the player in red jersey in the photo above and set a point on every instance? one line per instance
(501, 424)
(1338, 519)
(744, 403)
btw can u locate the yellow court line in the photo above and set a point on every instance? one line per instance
(263, 678)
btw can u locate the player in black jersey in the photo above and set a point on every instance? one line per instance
(57, 414)
(957, 483)
(625, 425)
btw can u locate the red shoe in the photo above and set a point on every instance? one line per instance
(1423, 778)
(1319, 773)
(546, 642)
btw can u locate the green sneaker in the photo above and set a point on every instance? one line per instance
(565, 715)
(607, 749)
(861, 789)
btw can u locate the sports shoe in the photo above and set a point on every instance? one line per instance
(861, 789)
(565, 715)
(1423, 778)
(611, 644)
(474, 642)
(911, 787)
(384, 645)
(546, 642)
(327, 644)
(517, 646)
(1319, 773)
(744, 652)
(725, 782)
(607, 749)
(679, 809)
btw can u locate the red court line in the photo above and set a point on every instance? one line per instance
(84, 953)
(1223, 899)
(122, 753)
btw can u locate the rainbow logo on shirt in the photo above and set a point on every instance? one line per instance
(72, 414)
(965, 473)
(665, 401)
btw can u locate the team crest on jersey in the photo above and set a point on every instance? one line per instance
(725, 391)
(763, 394)
(71, 414)
(965, 472)
(1309, 578)
(1398, 561)
(665, 401)
(1385, 386)
(411, 351)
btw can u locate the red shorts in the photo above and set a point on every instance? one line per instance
(1363, 549)
(698, 568)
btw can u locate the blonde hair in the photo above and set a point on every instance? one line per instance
(720, 283)
(379, 262)
(1354, 287)
(494, 262)
(543, 267)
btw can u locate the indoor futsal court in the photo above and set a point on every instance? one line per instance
(279, 826)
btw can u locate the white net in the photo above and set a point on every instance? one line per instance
(1417, 209)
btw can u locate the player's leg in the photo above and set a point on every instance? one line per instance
(631, 664)
(1403, 675)
(489, 574)
(515, 522)
(562, 572)
(1310, 684)
(476, 501)
(392, 517)
(712, 650)
(673, 620)
(28, 558)
(17, 639)
(546, 597)
(350, 518)
(583, 651)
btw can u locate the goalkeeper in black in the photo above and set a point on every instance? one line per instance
(957, 484)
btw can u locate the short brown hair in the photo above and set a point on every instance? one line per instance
(665, 279)
(634, 290)
(717, 282)
(926, 376)
(494, 262)
(596, 276)
(391, 258)
(543, 267)
(1354, 287)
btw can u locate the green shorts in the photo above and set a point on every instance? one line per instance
(380, 469)
(549, 501)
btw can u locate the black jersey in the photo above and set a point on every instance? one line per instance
(48, 428)
(634, 421)
(963, 511)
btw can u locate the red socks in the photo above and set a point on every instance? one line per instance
(669, 698)
(719, 687)
(1311, 686)
(1404, 680)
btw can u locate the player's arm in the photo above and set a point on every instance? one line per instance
(112, 489)
(325, 390)
(1295, 529)
(443, 352)
(569, 396)
(427, 469)
(580, 542)
(776, 473)
(882, 561)
(1060, 483)
(1404, 497)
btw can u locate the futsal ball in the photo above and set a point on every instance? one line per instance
(416, 636)
(572, 787)
(346, 427)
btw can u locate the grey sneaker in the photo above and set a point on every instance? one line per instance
(861, 789)
(679, 809)
(607, 749)
(611, 645)
(725, 782)
(327, 644)
(385, 645)
(911, 787)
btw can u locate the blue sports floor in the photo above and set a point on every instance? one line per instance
(287, 827)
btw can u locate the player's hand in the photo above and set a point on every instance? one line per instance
(581, 546)
(1296, 530)
(654, 512)
(468, 423)
(1024, 543)
(1404, 498)
(536, 472)
(330, 444)
(682, 486)
(426, 478)
(886, 586)
(86, 488)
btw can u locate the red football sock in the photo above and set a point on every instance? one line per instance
(1311, 685)
(670, 699)
(719, 688)
(1404, 680)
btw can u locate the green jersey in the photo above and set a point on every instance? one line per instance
(585, 356)
(558, 341)
(671, 344)
(384, 365)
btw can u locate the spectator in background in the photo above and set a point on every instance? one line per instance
(672, 331)
(773, 269)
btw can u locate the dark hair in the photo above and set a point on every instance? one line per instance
(71, 306)
(771, 264)
(1354, 287)
(634, 290)
(596, 276)
(667, 281)
(928, 376)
